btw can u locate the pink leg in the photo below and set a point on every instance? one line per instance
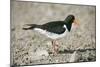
(55, 47)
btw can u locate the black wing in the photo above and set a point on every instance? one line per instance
(55, 27)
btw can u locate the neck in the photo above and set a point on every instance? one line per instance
(69, 25)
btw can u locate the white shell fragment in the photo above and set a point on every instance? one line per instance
(39, 54)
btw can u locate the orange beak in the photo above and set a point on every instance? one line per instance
(76, 22)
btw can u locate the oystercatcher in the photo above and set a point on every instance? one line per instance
(55, 29)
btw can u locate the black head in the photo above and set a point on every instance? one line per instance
(69, 20)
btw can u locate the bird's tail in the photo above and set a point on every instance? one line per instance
(30, 26)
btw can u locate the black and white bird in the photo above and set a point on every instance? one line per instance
(55, 29)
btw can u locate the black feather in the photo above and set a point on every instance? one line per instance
(31, 26)
(55, 27)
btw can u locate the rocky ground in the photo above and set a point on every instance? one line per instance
(31, 48)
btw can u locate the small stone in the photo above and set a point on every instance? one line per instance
(57, 61)
(49, 43)
(74, 57)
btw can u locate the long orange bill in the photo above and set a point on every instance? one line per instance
(76, 22)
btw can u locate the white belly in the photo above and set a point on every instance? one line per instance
(51, 35)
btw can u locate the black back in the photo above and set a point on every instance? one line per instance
(55, 27)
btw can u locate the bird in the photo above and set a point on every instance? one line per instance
(55, 29)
